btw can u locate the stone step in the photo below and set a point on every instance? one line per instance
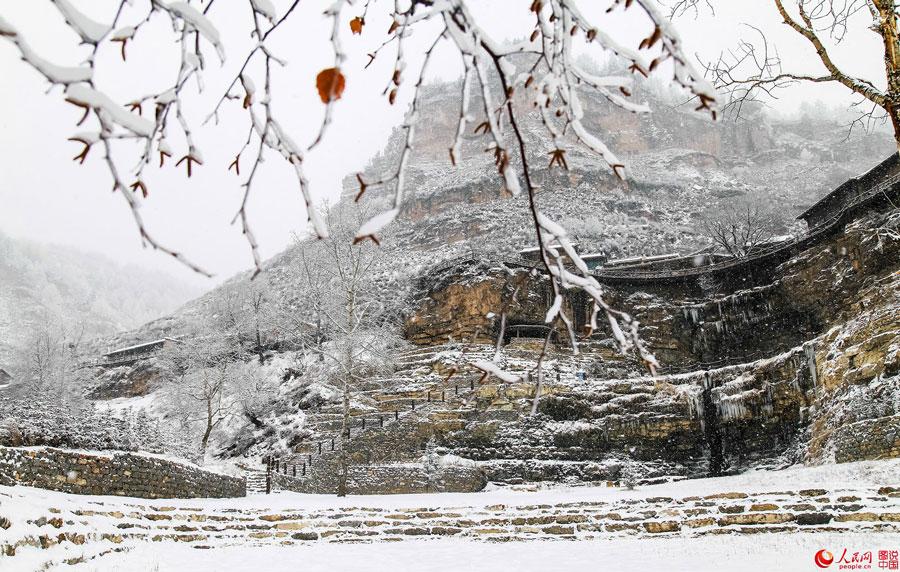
(256, 481)
(723, 513)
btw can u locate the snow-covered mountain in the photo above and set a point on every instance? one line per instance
(42, 285)
(681, 165)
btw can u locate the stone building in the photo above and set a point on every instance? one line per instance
(131, 354)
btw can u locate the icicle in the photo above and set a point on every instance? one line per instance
(809, 349)
(695, 315)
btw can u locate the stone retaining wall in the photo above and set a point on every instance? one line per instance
(405, 478)
(868, 439)
(111, 524)
(119, 474)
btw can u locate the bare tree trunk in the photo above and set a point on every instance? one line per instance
(319, 336)
(345, 439)
(500, 336)
(540, 371)
(259, 348)
(204, 443)
(887, 28)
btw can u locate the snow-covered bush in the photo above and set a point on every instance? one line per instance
(42, 421)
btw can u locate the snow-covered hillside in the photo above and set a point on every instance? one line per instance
(53, 286)
(681, 165)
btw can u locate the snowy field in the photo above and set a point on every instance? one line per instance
(726, 552)
(786, 552)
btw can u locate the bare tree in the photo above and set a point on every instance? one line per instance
(244, 312)
(207, 388)
(205, 373)
(539, 371)
(352, 343)
(512, 78)
(755, 67)
(49, 362)
(259, 305)
(739, 230)
(256, 393)
(303, 315)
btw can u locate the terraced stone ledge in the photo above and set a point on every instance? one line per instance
(111, 526)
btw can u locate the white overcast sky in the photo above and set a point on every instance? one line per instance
(46, 197)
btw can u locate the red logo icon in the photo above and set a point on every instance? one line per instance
(824, 558)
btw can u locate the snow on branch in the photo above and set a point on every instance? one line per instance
(558, 250)
(84, 96)
(504, 80)
(54, 73)
(199, 22)
(490, 368)
(91, 32)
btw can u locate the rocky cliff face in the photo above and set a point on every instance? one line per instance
(792, 359)
(680, 165)
(815, 345)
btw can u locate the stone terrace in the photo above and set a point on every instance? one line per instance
(79, 534)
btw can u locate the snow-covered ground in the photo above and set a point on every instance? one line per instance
(786, 552)
(861, 474)
(725, 551)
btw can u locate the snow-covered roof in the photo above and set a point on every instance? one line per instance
(849, 182)
(593, 255)
(637, 259)
(554, 244)
(140, 346)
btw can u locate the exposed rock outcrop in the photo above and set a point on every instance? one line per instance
(815, 344)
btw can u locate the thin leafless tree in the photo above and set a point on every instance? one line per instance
(205, 375)
(755, 67)
(352, 344)
(739, 230)
(49, 363)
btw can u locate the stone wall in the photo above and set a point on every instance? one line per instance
(75, 533)
(405, 478)
(118, 474)
(691, 424)
(869, 439)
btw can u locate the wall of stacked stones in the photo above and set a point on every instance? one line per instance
(673, 423)
(118, 474)
(868, 439)
(407, 478)
(862, 509)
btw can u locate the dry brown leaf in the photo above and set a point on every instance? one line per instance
(143, 188)
(330, 83)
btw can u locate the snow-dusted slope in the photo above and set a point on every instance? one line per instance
(60, 286)
(681, 165)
